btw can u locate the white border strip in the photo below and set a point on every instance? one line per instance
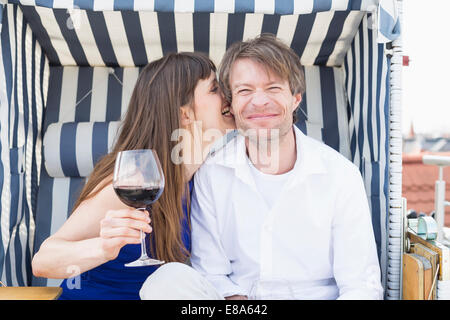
(395, 170)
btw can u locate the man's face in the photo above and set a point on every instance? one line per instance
(261, 100)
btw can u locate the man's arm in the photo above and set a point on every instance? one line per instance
(355, 260)
(208, 255)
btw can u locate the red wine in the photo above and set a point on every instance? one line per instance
(137, 197)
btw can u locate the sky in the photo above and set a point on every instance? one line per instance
(426, 81)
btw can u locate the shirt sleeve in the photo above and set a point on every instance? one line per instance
(355, 259)
(208, 255)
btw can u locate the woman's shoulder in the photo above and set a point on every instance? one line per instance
(84, 221)
(105, 185)
(103, 195)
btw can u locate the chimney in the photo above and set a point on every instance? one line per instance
(412, 134)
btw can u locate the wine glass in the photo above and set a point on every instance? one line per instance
(138, 182)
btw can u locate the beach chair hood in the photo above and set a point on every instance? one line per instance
(67, 70)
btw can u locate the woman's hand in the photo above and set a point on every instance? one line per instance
(121, 227)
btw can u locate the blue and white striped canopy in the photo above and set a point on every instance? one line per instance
(217, 6)
(67, 68)
(130, 38)
(132, 33)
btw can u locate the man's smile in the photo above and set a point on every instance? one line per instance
(262, 116)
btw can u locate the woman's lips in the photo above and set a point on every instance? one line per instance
(226, 112)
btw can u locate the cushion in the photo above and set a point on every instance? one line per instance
(72, 149)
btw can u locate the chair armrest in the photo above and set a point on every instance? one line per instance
(30, 293)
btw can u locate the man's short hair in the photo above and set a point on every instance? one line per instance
(269, 51)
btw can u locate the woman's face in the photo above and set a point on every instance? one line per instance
(210, 108)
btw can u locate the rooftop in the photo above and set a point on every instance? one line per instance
(419, 181)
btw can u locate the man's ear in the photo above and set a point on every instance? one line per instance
(297, 99)
(186, 115)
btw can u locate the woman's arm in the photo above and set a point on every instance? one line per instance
(93, 234)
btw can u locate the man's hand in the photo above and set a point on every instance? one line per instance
(236, 297)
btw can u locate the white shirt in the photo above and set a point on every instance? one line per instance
(269, 185)
(317, 239)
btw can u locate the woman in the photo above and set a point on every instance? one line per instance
(102, 234)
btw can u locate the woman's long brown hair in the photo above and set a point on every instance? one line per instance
(153, 114)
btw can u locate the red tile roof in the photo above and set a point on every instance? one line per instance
(418, 184)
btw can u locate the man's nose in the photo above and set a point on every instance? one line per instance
(260, 98)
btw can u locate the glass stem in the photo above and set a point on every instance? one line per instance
(143, 244)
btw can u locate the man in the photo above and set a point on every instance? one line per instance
(276, 214)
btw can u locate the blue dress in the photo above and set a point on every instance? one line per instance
(112, 280)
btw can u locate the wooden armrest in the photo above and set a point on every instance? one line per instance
(30, 293)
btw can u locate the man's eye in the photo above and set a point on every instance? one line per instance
(243, 91)
(274, 88)
(214, 89)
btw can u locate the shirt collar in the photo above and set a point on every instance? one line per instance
(309, 161)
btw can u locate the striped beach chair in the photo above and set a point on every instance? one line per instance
(67, 70)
